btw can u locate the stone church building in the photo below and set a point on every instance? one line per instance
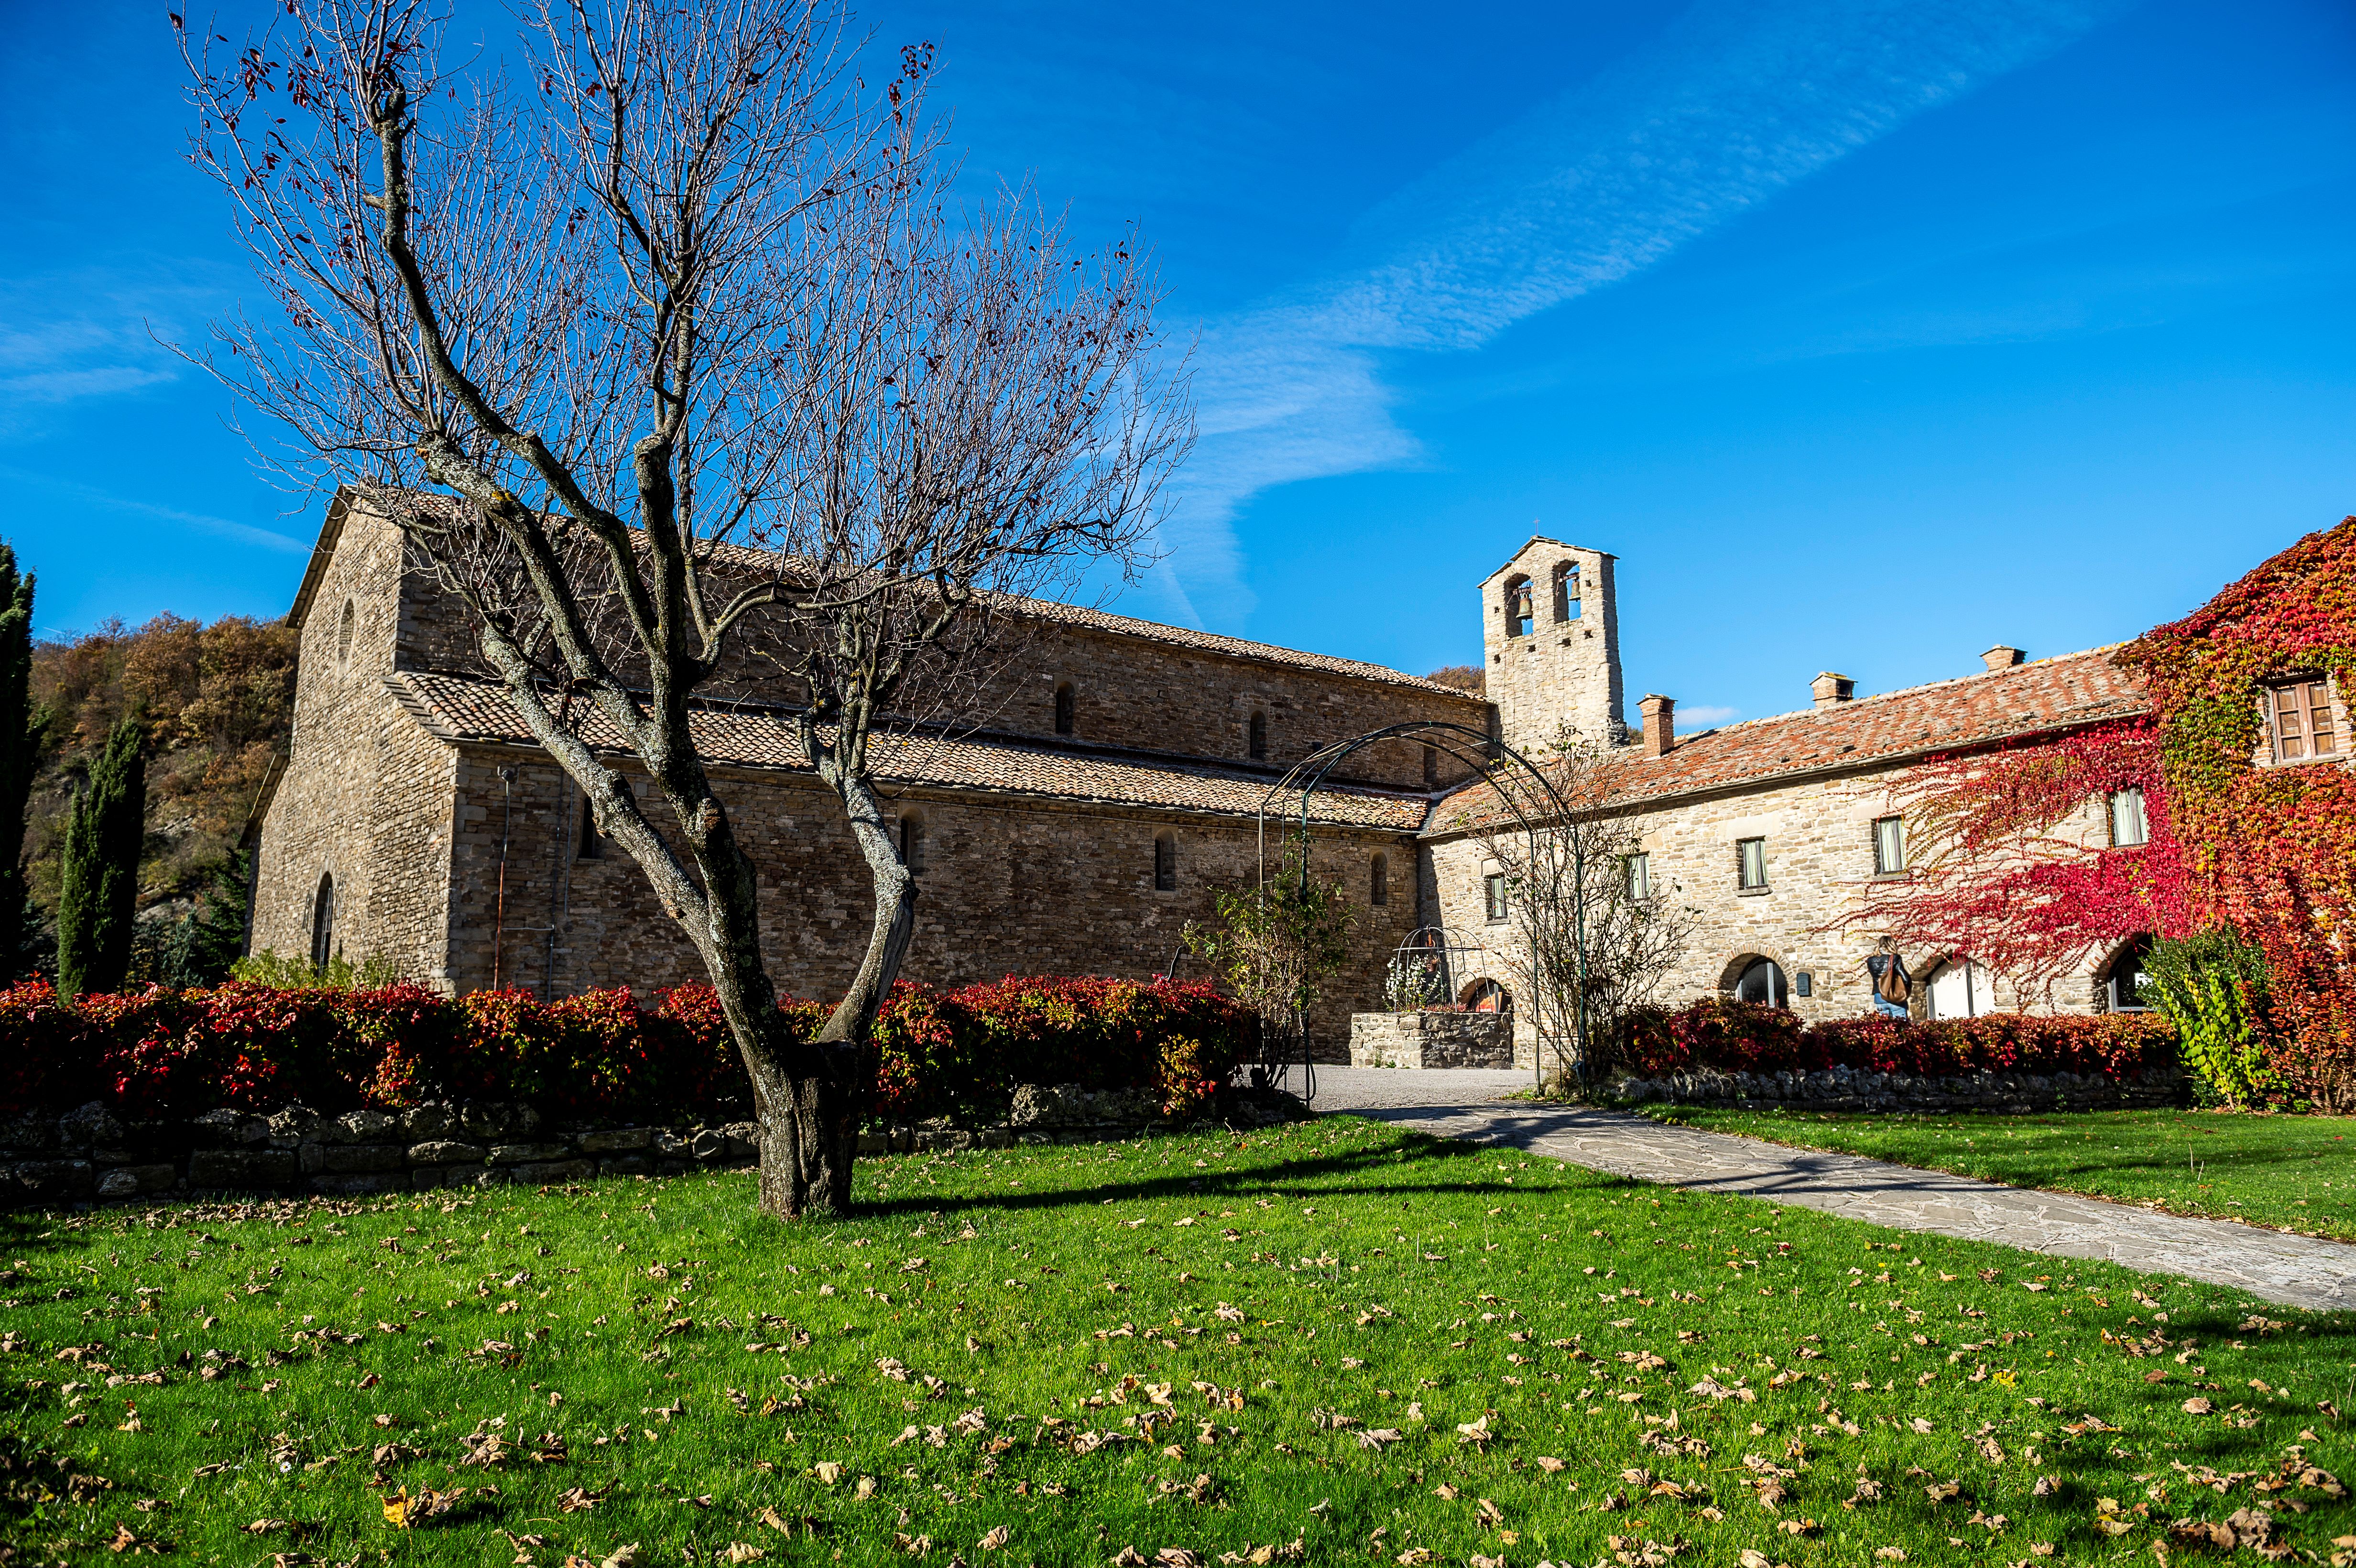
(1117, 782)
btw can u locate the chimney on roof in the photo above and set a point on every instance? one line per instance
(1830, 689)
(1660, 724)
(2002, 658)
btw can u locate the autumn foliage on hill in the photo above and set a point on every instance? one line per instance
(216, 701)
(2269, 850)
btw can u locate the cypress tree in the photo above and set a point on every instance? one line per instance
(98, 899)
(20, 748)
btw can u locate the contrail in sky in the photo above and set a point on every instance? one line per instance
(1737, 100)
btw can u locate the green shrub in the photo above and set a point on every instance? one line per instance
(2213, 988)
(338, 973)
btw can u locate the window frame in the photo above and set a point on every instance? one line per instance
(1637, 867)
(912, 842)
(1067, 708)
(1892, 826)
(1166, 862)
(2323, 702)
(2111, 802)
(1496, 900)
(1744, 859)
(1378, 881)
(1255, 736)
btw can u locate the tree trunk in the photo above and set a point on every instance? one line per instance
(807, 1107)
(895, 911)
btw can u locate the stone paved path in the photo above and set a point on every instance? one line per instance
(2297, 1271)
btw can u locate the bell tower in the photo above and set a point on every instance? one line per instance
(1551, 633)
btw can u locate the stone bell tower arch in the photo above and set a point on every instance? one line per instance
(1551, 633)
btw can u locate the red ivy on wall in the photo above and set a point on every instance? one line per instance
(2006, 866)
(2270, 850)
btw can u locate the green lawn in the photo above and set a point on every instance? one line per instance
(2294, 1173)
(1384, 1349)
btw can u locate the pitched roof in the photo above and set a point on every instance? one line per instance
(457, 709)
(764, 562)
(2059, 693)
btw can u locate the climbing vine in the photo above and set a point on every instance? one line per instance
(2009, 858)
(2269, 850)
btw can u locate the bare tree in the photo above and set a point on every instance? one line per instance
(1595, 935)
(661, 345)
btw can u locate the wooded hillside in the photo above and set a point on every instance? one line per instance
(217, 701)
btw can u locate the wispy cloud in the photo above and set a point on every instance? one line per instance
(91, 497)
(1706, 713)
(1736, 102)
(91, 333)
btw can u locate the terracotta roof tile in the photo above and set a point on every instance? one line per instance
(2058, 693)
(462, 709)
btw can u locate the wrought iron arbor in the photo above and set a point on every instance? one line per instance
(1523, 789)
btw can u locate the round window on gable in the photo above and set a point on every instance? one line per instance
(344, 632)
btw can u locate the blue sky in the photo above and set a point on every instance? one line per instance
(1866, 334)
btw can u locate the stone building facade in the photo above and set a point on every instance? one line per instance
(1118, 779)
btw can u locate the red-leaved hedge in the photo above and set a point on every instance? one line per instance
(1744, 1037)
(161, 1053)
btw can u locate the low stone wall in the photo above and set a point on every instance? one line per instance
(1431, 1039)
(91, 1153)
(1855, 1089)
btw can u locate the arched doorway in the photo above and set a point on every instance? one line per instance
(2125, 979)
(1761, 982)
(1487, 996)
(1961, 988)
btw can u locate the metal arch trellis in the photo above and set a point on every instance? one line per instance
(1488, 756)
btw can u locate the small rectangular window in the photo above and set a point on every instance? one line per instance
(1751, 856)
(1492, 887)
(1165, 863)
(1889, 845)
(2127, 826)
(1379, 892)
(1639, 877)
(2301, 716)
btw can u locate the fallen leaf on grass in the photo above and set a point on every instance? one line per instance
(998, 1537)
(576, 1499)
(737, 1552)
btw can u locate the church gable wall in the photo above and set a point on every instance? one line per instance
(364, 796)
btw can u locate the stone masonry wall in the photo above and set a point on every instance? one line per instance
(1819, 858)
(1563, 671)
(365, 796)
(1010, 885)
(1429, 1040)
(1855, 1089)
(91, 1153)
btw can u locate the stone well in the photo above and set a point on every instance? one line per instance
(1431, 1039)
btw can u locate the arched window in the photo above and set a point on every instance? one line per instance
(1521, 615)
(1763, 982)
(1065, 712)
(592, 843)
(1379, 893)
(1566, 590)
(2127, 981)
(344, 632)
(1165, 862)
(1487, 996)
(1961, 990)
(1260, 737)
(912, 842)
(323, 922)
